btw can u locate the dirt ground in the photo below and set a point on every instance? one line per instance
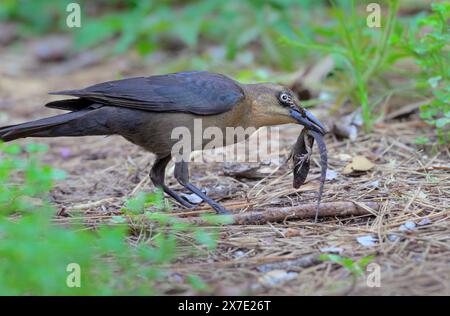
(411, 183)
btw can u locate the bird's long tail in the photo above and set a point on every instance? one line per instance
(78, 123)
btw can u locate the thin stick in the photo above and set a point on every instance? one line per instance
(332, 209)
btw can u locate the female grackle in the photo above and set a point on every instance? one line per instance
(145, 110)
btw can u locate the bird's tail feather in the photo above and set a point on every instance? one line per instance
(67, 124)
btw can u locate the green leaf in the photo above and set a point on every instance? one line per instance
(160, 217)
(11, 149)
(421, 140)
(441, 122)
(155, 199)
(196, 282)
(118, 219)
(365, 261)
(137, 203)
(332, 257)
(145, 47)
(94, 32)
(205, 238)
(434, 81)
(34, 148)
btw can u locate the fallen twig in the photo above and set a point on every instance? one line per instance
(331, 209)
(89, 205)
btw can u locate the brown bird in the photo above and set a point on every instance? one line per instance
(145, 111)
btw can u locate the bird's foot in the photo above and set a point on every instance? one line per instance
(221, 210)
(185, 203)
(216, 206)
(178, 198)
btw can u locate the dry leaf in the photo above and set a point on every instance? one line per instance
(359, 163)
(348, 169)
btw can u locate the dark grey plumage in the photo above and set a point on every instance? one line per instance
(197, 92)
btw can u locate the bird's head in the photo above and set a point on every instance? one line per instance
(273, 104)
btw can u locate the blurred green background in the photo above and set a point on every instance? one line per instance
(269, 40)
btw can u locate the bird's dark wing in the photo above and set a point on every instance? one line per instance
(197, 92)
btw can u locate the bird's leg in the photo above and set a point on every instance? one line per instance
(157, 175)
(182, 175)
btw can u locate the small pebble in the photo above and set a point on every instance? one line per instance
(367, 241)
(408, 226)
(425, 221)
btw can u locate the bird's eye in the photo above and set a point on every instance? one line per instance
(285, 98)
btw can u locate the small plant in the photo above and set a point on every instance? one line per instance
(427, 42)
(367, 58)
(359, 53)
(35, 252)
(37, 179)
(357, 269)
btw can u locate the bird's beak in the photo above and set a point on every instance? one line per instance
(308, 120)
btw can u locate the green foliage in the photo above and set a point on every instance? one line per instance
(35, 252)
(431, 52)
(197, 283)
(149, 25)
(36, 16)
(356, 268)
(37, 179)
(366, 57)
(360, 53)
(137, 204)
(278, 33)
